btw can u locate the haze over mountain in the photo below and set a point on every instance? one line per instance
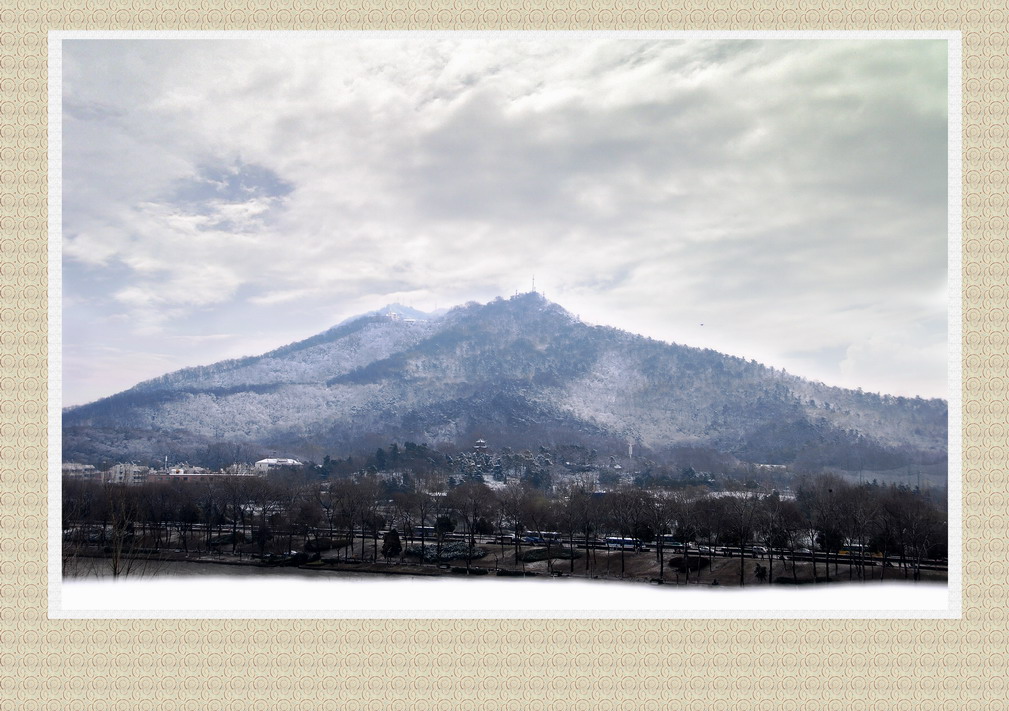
(520, 372)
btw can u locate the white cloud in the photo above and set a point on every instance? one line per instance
(780, 192)
(874, 359)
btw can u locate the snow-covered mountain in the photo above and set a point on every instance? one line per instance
(520, 372)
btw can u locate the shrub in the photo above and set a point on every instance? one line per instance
(325, 544)
(228, 540)
(455, 550)
(534, 555)
(695, 563)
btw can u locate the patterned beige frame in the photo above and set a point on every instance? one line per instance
(522, 664)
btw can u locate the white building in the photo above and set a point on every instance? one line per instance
(240, 469)
(265, 465)
(80, 471)
(130, 474)
(186, 470)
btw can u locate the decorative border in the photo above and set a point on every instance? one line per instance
(528, 664)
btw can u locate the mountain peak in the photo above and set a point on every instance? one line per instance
(529, 300)
(522, 370)
(521, 309)
(397, 311)
(532, 297)
(392, 312)
(536, 300)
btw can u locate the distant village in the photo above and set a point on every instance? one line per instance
(136, 474)
(503, 512)
(549, 470)
(545, 469)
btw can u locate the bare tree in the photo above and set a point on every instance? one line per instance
(685, 505)
(538, 511)
(127, 556)
(776, 527)
(572, 514)
(820, 508)
(660, 512)
(712, 523)
(512, 500)
(77, 502)
(368, 488)
(346, 503)
(402, 508)
(234, 496)
(790, 522)
(859, 512)
(626, 508)
(585, 510)
(471, 500)
(741, 513)
(306, 517)
(428, 487)
(889, 529)
(923, 527)
(327, 501)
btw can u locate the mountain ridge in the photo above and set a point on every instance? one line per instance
(517, 369)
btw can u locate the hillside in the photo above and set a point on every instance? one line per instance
(520, 372)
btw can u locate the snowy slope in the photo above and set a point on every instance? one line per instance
(523, 370)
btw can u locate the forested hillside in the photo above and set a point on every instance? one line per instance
(520, 372)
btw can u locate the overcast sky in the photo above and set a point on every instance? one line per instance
(225, 197)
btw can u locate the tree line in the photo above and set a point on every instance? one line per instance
(827, 521)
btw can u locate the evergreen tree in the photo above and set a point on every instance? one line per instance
(391, 545)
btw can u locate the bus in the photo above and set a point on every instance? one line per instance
(670, 542)
(853, 549)
(542, 537)
(623, 543)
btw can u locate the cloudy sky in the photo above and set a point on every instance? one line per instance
(225, 197)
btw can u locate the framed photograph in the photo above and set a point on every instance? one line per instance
(575, 358)
(318, 256)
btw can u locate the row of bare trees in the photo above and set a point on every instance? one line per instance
(870, 527)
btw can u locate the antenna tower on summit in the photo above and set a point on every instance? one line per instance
(534, 283)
